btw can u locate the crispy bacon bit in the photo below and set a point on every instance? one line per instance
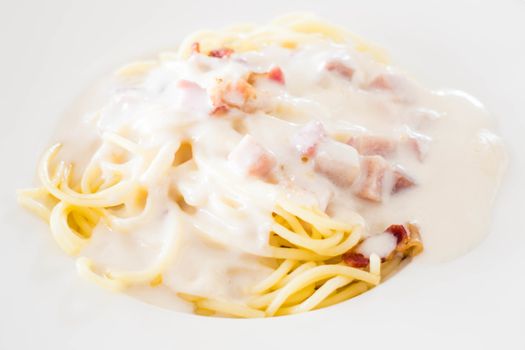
(372, 145)
(220, 53)
(355, 259)
(226, 95)
(395, 242)
(339, 67)
(196, 47)
(399, 231)
(308, 138)
(250, 158)
(401, 180)
(337, 161)
(276, 74)
(408, 242)
(373, 170)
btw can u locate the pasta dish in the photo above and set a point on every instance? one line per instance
(260, 171)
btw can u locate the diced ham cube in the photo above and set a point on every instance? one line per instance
(250, 158)
(337, 161)
(370, 184)
(418, 143)
(220, 53)
(308, 138)
(337, 66)
(373, 145)
(226, 95)
(401, 180)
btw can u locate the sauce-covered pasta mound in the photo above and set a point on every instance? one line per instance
(262, 171)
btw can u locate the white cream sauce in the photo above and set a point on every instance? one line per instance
(227, 229)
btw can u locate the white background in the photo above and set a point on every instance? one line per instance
(51, 50)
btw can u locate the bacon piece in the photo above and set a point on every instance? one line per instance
(408, 241)
(308, 138)
(418, 143)
(382, 244)
(372, 145)
(337, 161)
(401, 180)
(413, 245)
(226, 95)
(370, 184)
(384, 82)
(190, 96)
(397, 86)
(396, 240)
(355, 259)
(196, 47)
(250, 158)
(339, 67)
(220, 53)
(399, 231)
(277, 75)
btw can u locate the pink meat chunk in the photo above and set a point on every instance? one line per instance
(373, 145)
(343, 69)
(250, 158)
(226, 95)
(308, 138)
(373, 171)
(337, 161)
(387, 82)
(401, 180)
(190, 96)
(396, 86)
(419, 144)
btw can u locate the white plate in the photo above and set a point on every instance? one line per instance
(51, 50)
